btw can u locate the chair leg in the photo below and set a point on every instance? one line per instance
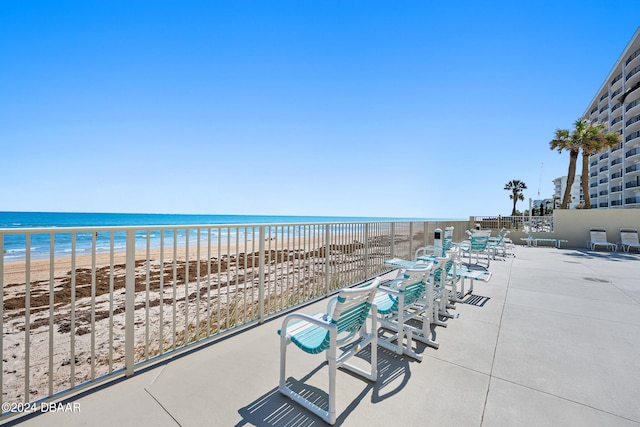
(331, 416)
(374, 346)
(283, 360)
(426, 332)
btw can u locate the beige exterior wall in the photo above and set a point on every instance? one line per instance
(574, 224)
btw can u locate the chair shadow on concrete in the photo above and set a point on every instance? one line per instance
(275, 409)
(476, 300)
(601, 254)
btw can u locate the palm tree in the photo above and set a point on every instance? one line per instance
(515, 186)
(594, 140)
(564, 140)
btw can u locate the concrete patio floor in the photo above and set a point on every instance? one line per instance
(552, 340)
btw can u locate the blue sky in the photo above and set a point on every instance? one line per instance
(351, 108)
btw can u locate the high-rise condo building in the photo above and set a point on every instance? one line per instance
(560, 184)
(614, 174)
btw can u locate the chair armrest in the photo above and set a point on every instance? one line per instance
(391, 290)
(318, 320)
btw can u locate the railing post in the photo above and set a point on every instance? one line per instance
(393, 240)
(366, 250)
(410, 240)
(130, 297)
(425, 229)
(261, 276)
(327, 242)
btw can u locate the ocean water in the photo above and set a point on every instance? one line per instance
(15, 244)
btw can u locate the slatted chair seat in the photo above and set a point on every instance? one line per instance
(629, 239)
(598, 237)
(473, 275)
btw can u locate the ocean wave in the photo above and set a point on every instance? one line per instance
(16, 251)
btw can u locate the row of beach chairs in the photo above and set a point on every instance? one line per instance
(394, 314)
(628, 239)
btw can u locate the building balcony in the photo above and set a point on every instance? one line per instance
(632, 120)
(632, 105)
(616, 189)
(616, 80)
(615, 203)
(633, 168)
(615, 107)
(632, 57)
(603, 205)
(632, 72)
(616, 93)
(632, 153)
(616, 120)
(632, 200)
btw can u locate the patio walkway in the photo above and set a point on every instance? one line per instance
(552, 340)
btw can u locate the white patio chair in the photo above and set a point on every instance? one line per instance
(457, 275)
(344, 326)
(478, 243)
(629, 239)
(498, 244)
(599, 238)
(404, 300)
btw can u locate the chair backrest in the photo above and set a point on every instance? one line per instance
(479, 242)
(447, 241)
(353, 305)
(598, 234)
(412, 287)
(445, 267)
(503, 233)
(629, 236)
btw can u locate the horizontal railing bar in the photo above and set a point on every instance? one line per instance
(89, 229)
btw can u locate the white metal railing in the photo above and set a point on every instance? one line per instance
(83, 305)
(520, 222)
